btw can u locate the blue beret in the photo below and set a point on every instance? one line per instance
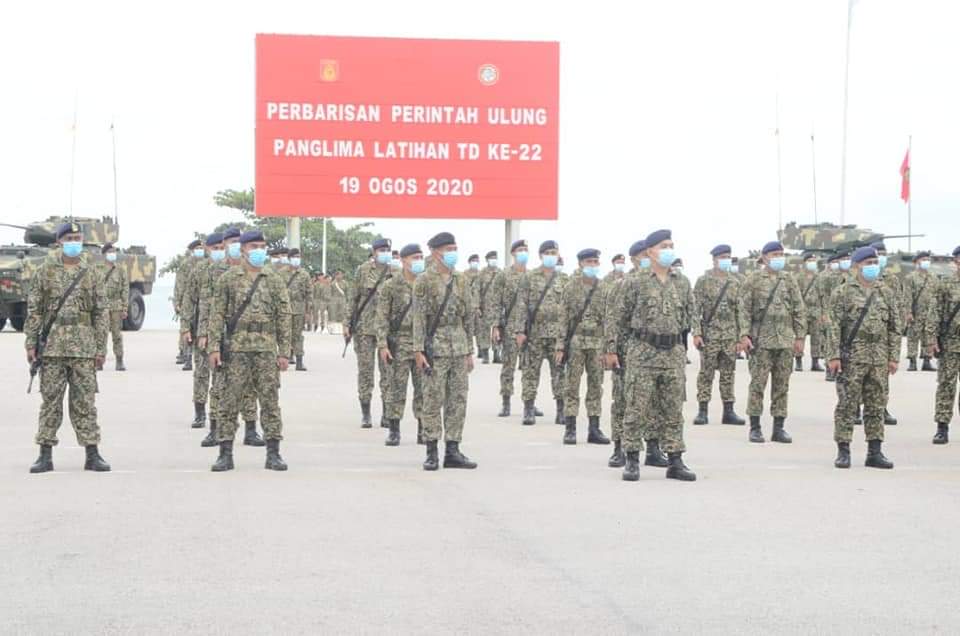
(231, 233)
(548, 245)
(441, 239)
(637, 247)
(919, 255)
(879, 246)
(721, 249)
(214, 237)
(658, 237)
(410, 250)
(517, 244)
(195, 243)
(772, 246)
(863, 253)
(381, 243)
(588, 253)
(492, 254)
(249, 236)
(67, 228)
(956, 251)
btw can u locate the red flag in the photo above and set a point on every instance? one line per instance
(905, 178)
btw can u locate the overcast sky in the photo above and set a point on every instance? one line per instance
(667, 112)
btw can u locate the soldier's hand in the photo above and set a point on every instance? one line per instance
(421, 361)
(558, 357)
(346, 332)
(798, 347)
(496, 335)
(909, 318)
(834, 366)
(698, 342)
(31, 355)
(521, 338)
(283, 363)
(469, 363)
(385, 355)
(188, 338)
(746, 345)
(933, 350)
(99, 359)
(123, 316)
(892, 367)
(215, 360)
(612, 361)
(202, 342)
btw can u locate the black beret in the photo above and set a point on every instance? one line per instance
(637, 247)
(249, 236)
(107, 247)
(473, 257)
(678, 261)
(863, 253)
(441, 239)
(294, 251)
(410, 250)
(879, 246)
(281, 250)
(723, 248)
(381, 243)
(835, 257)
(617, 257)
(919, 255)
(772, 246)
(492, 254)
(194, 244)
(67, 228)
(658, 237)
(842, 254)
(956, 251)
(588, 253)
(231, 233)
(214, 238)
(548, 245)
(517, 244)
(808, 255)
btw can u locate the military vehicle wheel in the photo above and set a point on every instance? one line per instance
(17, 322)
(136, 312)
(3, 323)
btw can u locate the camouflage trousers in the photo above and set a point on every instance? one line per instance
(510, 364)
(445, 399)
(538, 350)
(816, 332)
(483, 333)
(583, 360)
(400, 370)
(717, 356)
(654, 409)
(618, 403)
(914, 337)
(56, 375)
(248, 403)
(367, 357)
(777, 365)
(201, 377)
(948, 369)
(251, 375)
(296, 333)
(116, 333)
(857, 384)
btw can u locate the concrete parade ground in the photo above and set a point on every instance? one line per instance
(542, 538)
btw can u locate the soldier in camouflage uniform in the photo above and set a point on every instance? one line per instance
(807, 279)
(255, 345)
(506, 287)
(487, 310)
(619, 263)
(579, 345)
(894, 284)
(75, 344)
(395, 342)
(652, 309)
(194, 256)
(339, 292)
(297, 280)
(321, 293)
(190, 320)
(442, 336)
(942, 338)
(473, 278)
(715, 334)
(116, 289)
(918, 289)
(772, 321)
(826, 284)
(864, 348)
(535, 328)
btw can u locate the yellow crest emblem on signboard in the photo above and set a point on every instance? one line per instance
(329, 70)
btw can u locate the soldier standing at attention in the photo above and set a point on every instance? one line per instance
(619, 263)
(772, 321)
(194, 256)
(864, 348)
(715, 334)
(116, 289)
(473, 278)
(892, 282)
(652, 309)
(442, 333)
(807, 279)
(486, 306)
(337, 303)
(321, 294)
(301, 303)
(824, 287)
(67, 318)
(395, 342)
(362, 328)
(942, 339)
(189, 323)
(579, 345)
(506, 287)
(918, 294)
(536, 325)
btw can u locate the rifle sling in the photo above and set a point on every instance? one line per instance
(713, 310)
(945, 328)
(763, 313)
(856, 326)
(359, 312)
(432, 329)
(532, 318)
(238, 314)
(63, 299)
(572, 327)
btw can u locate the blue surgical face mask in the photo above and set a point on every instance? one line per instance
(645, 262)
(522, 257)
(198, 252)
(72, 249)
(492, 262)
(418, 266)
(395, 263)
(450, 259)
(549, 260)
(217, 255)
(883, 260)
(666, 257)
(591, 271)
(924, 265)
(725, 264)
(257, 256)
(777, 263)
(233, 250)
(474, 265)
(619, 267)
(811, 266)
(871, 272)
(834, 267)
(295, 261)
(384, 257)
(845, 264)
(111, 257)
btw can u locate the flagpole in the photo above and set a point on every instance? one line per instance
(910, 195)
(73, 148)
(323, 265)
(813, 158)
(779, 177)
(846, 92)
(113, 141)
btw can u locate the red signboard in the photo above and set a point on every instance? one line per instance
(386, 127)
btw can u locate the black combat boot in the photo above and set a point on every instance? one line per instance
(120, 366)
(44, 463)
(365, 415)
(497, 357)
(798, 363)
(888, 419)
(393, 437)
(94, 461)
(384, 420)
(780, 435)
(631, 469)
(505, 411)
(617, 459)
(927, 365)
(432, 462)
(942, 436)
(300, 366)
(485, 356)
(537, 412)
(180, 358)
(815, 364)
(420, 431)
(570, 433)
(199, 415)
(559, 417)
(529, 417)
(678, 470)
(250, 436)
(730, 416)
(756, 435)
(594, 434)
(453, 458)
(913, 364)
(655, 456)
(829, 375)
(875, 457)
(274, 461)
(225, 459)
(843, 455)
(211, 439)
(188, 365)
(701, 417)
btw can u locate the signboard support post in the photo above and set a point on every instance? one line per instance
(323, 263)
(511, 232)
(293, 232)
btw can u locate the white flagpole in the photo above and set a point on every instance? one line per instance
(113, 140)
(909, 194)
(813, 159)
(73, 148)
(779, 177)
(323, 265)
(846, 92)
